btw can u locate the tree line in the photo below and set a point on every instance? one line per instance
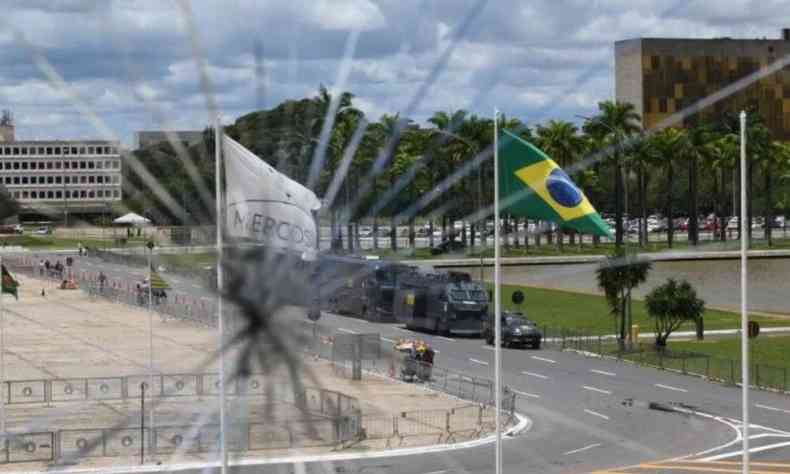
(395, 171)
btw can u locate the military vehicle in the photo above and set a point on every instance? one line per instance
(359, 286)
(443, 302)
(517, 330)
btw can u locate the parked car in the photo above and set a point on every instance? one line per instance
(733, 224)
(42, 231)
(778, 222)
(517, 330)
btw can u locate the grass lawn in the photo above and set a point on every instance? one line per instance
(48, 242)
(590, 313)
(192, 260)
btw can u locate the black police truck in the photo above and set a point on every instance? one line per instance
(444, 302)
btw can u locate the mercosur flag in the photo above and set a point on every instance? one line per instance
(532, 185)
(265, 206)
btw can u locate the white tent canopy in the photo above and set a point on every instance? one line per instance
(132, 219)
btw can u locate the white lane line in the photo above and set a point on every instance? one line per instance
(603, 372)
(595, 413)
(766, 407)
(593, 389)
(481, 362)
(581, 449)
(437, 472)
(348, 331)
(525, 394)
(544, 359)
(488, 348)
(670, 387)
(195, 286)
(392, 341)
(533, 374)
(445, 339)
(751, 450)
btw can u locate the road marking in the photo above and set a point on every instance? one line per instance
(751, 450)
(348, 331)
(581, 449)
(595, 413)
(603, 372)
(488, 348)
(445, 339)
(533, 374)
(593, 389)
(437, 472)
(525, 394)
(388, 340)
(195, 285)
(670, 387)
(481, 362)
(544, 359)
(766, 407)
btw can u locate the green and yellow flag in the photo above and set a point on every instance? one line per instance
(532, 185)
(9, 283)
(157, 282)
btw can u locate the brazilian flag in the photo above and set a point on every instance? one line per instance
(157, 282)
(9, 283)
(532, 185)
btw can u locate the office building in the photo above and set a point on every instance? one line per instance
(663, 76)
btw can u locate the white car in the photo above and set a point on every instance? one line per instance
(42, 231)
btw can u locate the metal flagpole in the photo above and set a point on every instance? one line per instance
(2, 354)
(220, 326)
(744, 314)
(497, 305)
(151, 424)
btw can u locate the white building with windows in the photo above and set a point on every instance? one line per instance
(62, 177)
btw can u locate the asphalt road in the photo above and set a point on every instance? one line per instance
(587, 413)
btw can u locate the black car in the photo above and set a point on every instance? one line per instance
(516, 331)
(448, 246)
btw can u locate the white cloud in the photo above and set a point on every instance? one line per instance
(347, 15)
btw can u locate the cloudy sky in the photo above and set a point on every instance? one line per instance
(88, 68)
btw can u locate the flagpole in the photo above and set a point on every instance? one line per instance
(497, 305)
(744, 313)
(150, 347)
(220, 326)
(2, 353)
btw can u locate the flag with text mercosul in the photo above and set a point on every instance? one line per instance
(9, 283)
(532, 185)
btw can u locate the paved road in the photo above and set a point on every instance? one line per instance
(588, 413)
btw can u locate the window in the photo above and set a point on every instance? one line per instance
(58, 195)
(116, 179)
(58, 180)
(66, 179)
(16, 150)
(82, 165)
(99, 164)
(16, 165)
(91, 194)
(57, 165)
(108, 164)
(16, 179)
(7, 180)
(24, 150)
(50, 195)
(91, 165)
(74, 165)
(82, 150)
(24, 179)
(82, 194)
(67, 194)
(99, 179)
(49, 165)
(74, 150)
(116, 194)
(57, 150)
(16, 194)
(116, 164)
(90, 150)
(33, 195)
(65, 150)
(66, 164)
(91, 179)
(25, 194)
(41, 150)
(50, 180)
(24, 165)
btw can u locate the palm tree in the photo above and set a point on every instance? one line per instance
(615, 122)
(776, 162)
(391, 126)
(721, 154)
(698, 137)
(669, 145)
(561, 141)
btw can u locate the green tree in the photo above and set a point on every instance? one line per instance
(617, 276)
(669, 145)
(670, 305)
(615, 123)
(776, 163)
(720, 155)
(9, 207)
(698, 138)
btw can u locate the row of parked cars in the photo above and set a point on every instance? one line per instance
(705, 223)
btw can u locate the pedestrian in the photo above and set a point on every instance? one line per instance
(47, 266)
(79, 248)
(102, 281)
(41, 268)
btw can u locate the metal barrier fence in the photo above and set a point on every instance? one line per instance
(724, 370)
(170, 386)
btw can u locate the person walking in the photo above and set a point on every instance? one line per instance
(41, 268)
(79, 248)
(102, 281)
(47, 266)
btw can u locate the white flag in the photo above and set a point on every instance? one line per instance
(265, 206)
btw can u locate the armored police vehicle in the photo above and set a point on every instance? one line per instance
(443, 302)
(359, 286)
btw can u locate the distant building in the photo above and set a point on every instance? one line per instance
(6, 127)
(146, 138)
(62, 177)
(663, 76)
